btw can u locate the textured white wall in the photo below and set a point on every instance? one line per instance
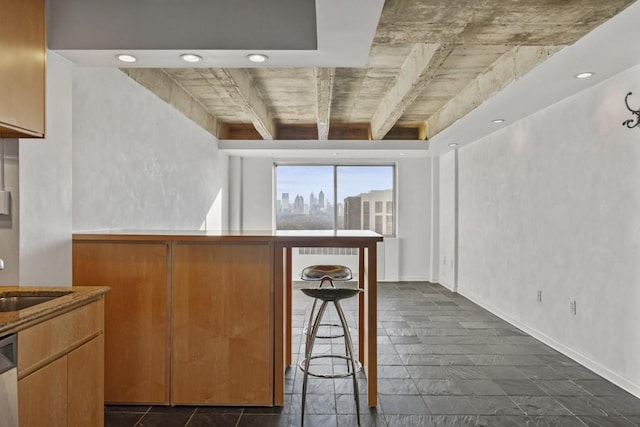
(552, 203)
(138, 162)
(257, 194)
(10, 224)
(414, 217)
(45, 187)
(447, 221)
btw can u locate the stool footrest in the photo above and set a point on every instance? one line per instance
(303, 368)
(305, 331)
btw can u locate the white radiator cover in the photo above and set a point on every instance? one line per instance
(388, 259)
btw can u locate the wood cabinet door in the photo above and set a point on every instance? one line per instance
(42, 396)
(136, 325)
(22, 68)
(222, 325)
(85, 379)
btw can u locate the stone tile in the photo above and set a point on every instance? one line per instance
(600, 387)
(438, 387)
(502, 421)
(121, 419)
(555, 421)
(396, 386)
(560, 387)
(214, 420)
(479, 388)
(402, 404)
(599, 421)
(540, 405)
(519, 387)
(584, 405)
(432, 372)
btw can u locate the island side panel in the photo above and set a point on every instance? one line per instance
(222, 324)
(135, 315)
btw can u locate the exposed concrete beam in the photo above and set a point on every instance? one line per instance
(324, 93)
(158, 82)
(514, 64)
(241, 89)
(418, 69)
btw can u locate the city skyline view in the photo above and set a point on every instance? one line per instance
(305, 197)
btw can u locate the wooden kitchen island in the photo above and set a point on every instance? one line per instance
(204, 318)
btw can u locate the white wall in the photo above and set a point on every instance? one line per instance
(447, 221)
(10, 224)
(413, 208)
(138, 163)
(45, 187)
(414, 217)
(552, 203)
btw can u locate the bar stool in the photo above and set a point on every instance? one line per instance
(325, 274)
(329, 295)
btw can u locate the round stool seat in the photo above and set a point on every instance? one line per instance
(336, 273)
(330, 294)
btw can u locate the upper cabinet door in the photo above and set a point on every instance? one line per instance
(22, 68)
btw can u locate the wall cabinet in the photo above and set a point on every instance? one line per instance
(22, 68)
(61, 370)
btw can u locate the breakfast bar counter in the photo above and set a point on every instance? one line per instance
(206, 316)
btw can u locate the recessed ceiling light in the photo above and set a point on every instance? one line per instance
(402, 154)
(126, 58)
(584, 75)
(334, 154)
(257, 57)
(497, 120)
(190, 57)
(453, 144)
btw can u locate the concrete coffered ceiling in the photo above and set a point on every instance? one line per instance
(400, 70)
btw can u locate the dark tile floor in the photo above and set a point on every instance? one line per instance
(443, 361)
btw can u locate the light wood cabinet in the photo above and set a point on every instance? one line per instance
(222, 324)
(185, 323)
(136, 326)
(61, 370)
(22, 68)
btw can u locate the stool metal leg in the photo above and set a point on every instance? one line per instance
(311, 337)
(349, 346)
(350, 355)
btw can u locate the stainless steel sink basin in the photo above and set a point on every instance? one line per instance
(17, 301)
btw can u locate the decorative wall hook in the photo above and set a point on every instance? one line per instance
(631, 123)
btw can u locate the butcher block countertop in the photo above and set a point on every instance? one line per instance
(13, 321)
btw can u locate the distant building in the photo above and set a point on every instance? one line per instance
(377, 211)
(286, 206)
(353, 213)
(369, 211)
(321, 201)
(298, 204)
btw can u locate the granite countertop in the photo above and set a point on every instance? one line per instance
(13, 321)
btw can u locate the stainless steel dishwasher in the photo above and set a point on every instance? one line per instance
(8, 381)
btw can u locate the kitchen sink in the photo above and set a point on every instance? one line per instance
(14, 301)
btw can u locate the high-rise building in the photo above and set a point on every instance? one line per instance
(298, 204)
(352, 213)
(321, 200)
(286, 206)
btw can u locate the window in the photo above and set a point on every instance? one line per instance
(334, 197)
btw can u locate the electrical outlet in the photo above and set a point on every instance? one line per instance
(539, 296)
(572, 307)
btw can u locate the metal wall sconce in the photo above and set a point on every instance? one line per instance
(631, 123)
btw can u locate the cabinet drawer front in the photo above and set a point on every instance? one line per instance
(46, 341)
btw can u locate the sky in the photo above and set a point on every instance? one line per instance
(352, 180)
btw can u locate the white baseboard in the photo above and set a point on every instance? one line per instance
(596, 367)
(413, 279)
